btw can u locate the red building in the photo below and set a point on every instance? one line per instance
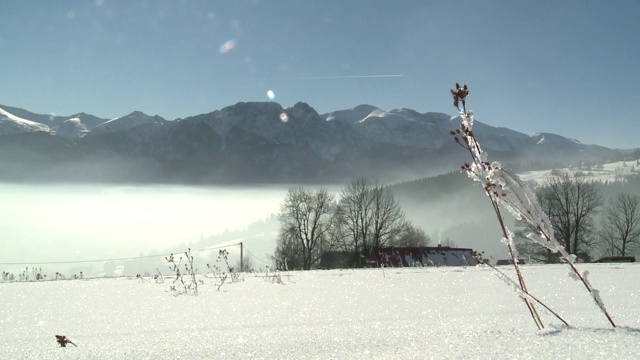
(425, 256)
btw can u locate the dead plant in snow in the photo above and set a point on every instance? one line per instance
(180, 285)
(507, 189)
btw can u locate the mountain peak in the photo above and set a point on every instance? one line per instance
(352, 115)
(128, 121)
(11, 124)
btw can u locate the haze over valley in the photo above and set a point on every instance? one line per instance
(84, 188)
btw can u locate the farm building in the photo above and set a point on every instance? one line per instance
(426, 256)
(509, 262)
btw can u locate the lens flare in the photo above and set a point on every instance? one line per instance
(227, 46)
(284, 118)
(271, 95)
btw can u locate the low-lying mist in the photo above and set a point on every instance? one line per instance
(459, 222)
(59, 227)
(454, 211)
(65, 223)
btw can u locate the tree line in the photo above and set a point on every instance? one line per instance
(589, 218)
(363, 217)
(583, 221)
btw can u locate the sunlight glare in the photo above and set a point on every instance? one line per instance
(271, 95)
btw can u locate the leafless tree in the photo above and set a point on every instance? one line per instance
(387, 220)
(411, 236)
(368, 216)
(352, 216)
(529, 250)
(620, 230)
(305, 219)
(571, 202)
(288, 248)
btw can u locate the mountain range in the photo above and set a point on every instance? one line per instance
(262, 142)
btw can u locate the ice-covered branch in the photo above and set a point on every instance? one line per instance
(506, 189)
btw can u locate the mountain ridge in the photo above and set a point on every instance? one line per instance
(262, 142)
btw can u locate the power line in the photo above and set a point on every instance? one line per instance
(106, 260)
(250, 253)
(81, 261)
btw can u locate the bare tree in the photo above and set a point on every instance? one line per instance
(305, 218)
(411, 236)
(352, 217)
(288, 248)
(620, 230)
(387, 219)
(368, 216)
(531, 251)
(571, 202)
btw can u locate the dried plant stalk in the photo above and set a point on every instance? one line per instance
(506, 189)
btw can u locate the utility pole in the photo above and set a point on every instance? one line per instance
(241, 258)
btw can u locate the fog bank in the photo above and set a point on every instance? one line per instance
(53, 223)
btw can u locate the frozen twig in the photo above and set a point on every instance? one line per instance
(507, 189)
(484, 172)
(522, 293)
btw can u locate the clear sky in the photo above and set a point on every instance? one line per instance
(566, 67)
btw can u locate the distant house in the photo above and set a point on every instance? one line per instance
(509, 262)
(425, 256)
(616, 259)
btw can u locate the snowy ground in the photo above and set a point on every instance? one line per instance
(606, 172)
(409, 313)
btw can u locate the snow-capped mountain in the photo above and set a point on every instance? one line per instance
(72, 129)
(401, 127)
(260, 142)
(11, 124)
(127, 122)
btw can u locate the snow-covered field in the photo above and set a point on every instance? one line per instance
(614, 171)
(408, 313)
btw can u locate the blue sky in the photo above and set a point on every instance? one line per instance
(566, 67)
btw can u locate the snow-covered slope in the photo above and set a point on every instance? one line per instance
(547, 139)
(609, 172)
(11, 124)
(126, 122)
(352, 115)
(398, 127)
(72, 129)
